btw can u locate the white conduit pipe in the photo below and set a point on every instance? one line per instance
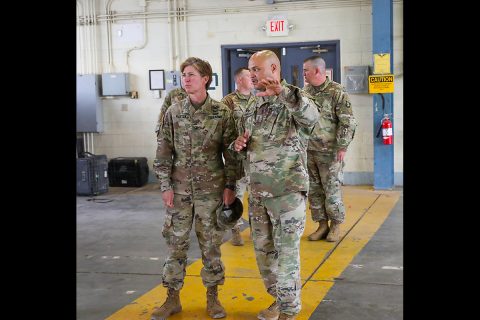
(173, 16)
(303, 5)
(90, 33)
(94, 55)
(170, 38)
(145, 39)
(91, 53)
(133, 14)
(80, 44)
(87, 38)
(138, 14)
(85, 142)
(185, 36)
(136, 17)
(177, 36)
(91, 144)
(109, 35)
(95, 59)
(85, 44)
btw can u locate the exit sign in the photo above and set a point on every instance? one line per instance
(277, 28)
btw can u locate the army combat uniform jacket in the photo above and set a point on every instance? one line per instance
(276, 152)
(336, 127)
(238, 102)
(190, 147)
(174, 96)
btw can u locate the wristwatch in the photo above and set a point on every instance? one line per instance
(230, 186)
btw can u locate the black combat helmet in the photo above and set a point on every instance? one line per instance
(227, 216)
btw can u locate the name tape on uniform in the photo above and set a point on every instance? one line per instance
(380, 83)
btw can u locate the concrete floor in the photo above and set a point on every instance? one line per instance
(371, 288)
(120, 254)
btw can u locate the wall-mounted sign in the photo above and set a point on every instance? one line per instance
(380, 84)
(276, 27)
(157, 79)
(214, 83)
(381, 63)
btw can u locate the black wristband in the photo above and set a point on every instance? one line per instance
(230, 186)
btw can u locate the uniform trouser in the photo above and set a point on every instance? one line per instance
(277, 226)
(325, 193)
(242, 185)
(176, 231)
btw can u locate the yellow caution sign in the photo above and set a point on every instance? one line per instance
(380, 83)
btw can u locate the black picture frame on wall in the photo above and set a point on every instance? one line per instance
(214, 82)
(157, 79)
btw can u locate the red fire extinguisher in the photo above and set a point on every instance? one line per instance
(387, 130)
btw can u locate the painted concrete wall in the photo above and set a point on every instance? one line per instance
(129, 123)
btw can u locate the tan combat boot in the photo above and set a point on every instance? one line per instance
(214, 308)
(321, 231)
(284, 316)
(170, 306)
(334, 233)
(271, 313)
(236, 237)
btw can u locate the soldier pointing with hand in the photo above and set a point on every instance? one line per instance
(276, 126)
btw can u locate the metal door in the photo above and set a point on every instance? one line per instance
(291, 57)
(292, 61)
(238, 58)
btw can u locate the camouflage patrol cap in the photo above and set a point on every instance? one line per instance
(227, 216)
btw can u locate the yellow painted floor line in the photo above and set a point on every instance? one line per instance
(243, 294)
(315, 289)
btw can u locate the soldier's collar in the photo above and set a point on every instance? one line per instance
(242, 96)
(323, 86)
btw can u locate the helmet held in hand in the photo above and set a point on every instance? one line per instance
(227, 216)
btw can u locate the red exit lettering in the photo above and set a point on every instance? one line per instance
(276, 25)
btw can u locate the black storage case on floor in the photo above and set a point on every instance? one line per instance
(128, 171)
(92, 174)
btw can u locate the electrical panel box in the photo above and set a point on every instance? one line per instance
(89, 103)
(115, 84)
(356, 79)
(172, 80)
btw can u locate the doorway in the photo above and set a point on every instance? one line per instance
(291, 57)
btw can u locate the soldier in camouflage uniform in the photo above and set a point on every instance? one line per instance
(193, 136)
(276, 125)
(175, 95)
(237, 102)
(326, 149)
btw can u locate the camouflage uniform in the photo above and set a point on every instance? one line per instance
(277, 164)
(237, 102)
(189, 161)
(175, 95)
(334, 131)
